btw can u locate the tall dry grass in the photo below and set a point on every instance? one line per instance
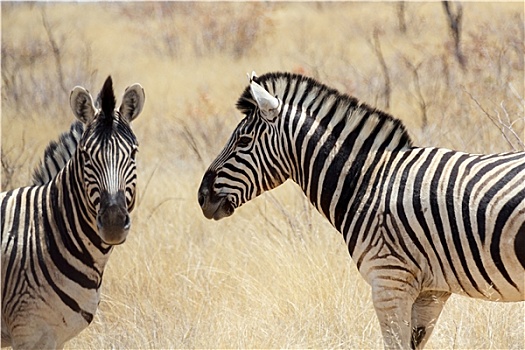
(276, 274)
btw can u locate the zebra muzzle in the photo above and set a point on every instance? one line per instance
(213, 206)
(113, 219)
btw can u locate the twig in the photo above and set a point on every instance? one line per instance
(454, 23)
(379, 53)
(500, 124)
(419, 94)
(147, 184)
(192, 142)
(401, 21)
(164, 201)
(56, 52)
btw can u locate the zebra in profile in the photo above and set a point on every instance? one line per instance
(57, 236)
(420, 223)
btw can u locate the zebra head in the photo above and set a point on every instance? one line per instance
(251, 161)
(106, 154)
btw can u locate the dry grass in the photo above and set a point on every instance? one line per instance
(275, 275)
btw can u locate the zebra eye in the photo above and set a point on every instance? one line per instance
(244, 141)
(134, 152)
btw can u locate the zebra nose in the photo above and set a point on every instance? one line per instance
(205, 188)
(113, 219)
(114, 216)
(202, 198)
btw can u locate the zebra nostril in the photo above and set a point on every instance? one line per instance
(99, 222)
(201, 199)
(206, 187)
(127, 222)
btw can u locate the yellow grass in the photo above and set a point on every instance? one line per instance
(276, 274)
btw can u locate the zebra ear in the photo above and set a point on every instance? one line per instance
(132, 102)
(266, 102)
(82, 105)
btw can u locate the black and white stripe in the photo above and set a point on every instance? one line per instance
(420, 223)
(57, 235)
(57, 154)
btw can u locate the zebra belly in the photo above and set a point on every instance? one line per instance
(488, 280)
(391, 260)
(460, 218)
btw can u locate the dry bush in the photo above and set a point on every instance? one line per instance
(35, 95)
(231, 29)
(27, 86)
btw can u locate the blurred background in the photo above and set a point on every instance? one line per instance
(276, 274)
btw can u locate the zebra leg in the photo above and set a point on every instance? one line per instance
(393, 309)
(46, 341)
(34, 338)
(425, 312)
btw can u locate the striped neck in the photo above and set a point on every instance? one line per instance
(75, 221)
(332, 139)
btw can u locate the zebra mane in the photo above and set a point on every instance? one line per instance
(107, 122)
(285, 85)
(57, 154)
(106, 101)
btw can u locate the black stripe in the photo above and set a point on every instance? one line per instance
(37, 221)
(306, 93)
(248, 186)
(501, 220)
(66, 299)
(329, 183)
(4, 214)
(276, 157)
(434, 200)
(285, 93)
(263, 176)
(285, 125)
(467, 225)
(13, 232)
(519, 244)
(481, 213)
(72, 192)
(305, 128)
(400, 209)
(419, 180)
(56, 254)
(367, 178)
(454, 230)
(379, 184)
(351, 176)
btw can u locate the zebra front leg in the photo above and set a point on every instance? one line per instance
(34, 336)
(425, 312)
(45, 341)
(393, 308)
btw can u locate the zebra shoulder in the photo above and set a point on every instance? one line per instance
(57, 154)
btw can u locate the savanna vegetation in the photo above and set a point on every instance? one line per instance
(276, 274)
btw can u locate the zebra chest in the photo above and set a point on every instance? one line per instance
(46, 309)
(383, 248)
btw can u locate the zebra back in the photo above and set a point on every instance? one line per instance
(57, 154)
